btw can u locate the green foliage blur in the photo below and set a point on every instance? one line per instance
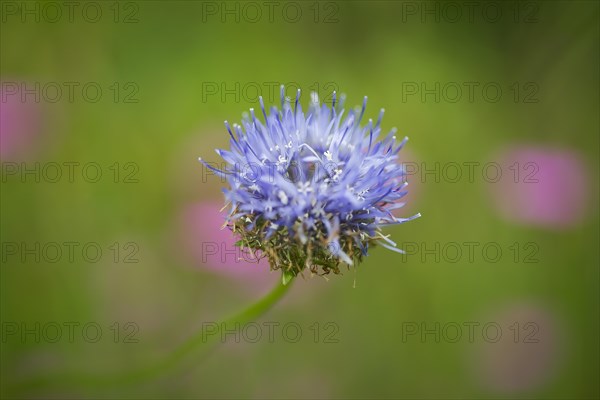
(181, 68)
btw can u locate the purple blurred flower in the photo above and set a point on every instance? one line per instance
(312, 190)
(522, 350)
(20, 122)
(542, 186)
(214, 248)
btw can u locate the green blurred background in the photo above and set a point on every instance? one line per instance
(167, 58)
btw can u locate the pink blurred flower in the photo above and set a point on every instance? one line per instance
(20, 121)
(524, 354)
(213, 247)
(541, 186)
(312, 384)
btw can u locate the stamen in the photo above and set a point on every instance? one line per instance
(381, 112)
(296, 103)
(362, 112)
(262, 107)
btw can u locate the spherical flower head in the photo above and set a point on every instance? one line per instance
(312, 191)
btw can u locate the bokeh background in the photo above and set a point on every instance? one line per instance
(169, 73)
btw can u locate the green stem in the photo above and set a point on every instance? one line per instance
(248, 315)
(198, 340)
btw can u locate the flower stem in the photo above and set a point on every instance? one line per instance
(247, 315)
(198, 340)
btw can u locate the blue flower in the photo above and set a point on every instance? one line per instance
(312, 190)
